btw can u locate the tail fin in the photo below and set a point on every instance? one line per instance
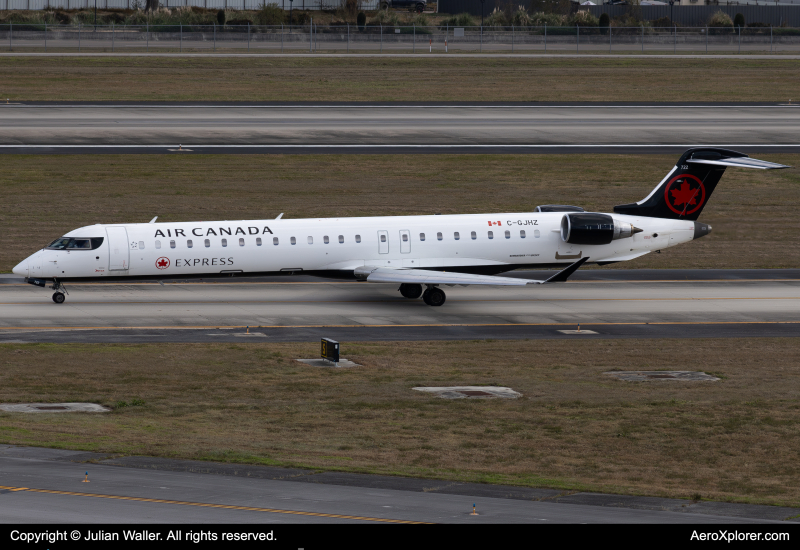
(688, 186)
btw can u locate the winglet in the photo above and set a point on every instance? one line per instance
(154, 220)
(562, 275)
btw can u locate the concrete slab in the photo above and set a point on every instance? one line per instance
(471, 392)
(53, 407)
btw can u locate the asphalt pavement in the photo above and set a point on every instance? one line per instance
(609, 303)
(46, 486)
(185, 128)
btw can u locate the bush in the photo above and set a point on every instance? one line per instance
(604, 22)
(362, 20)
(583, 18)
(460, 20)
(270, 14)
(386, 18)
(520, 18)
(221, 17)
(720, 19)
(550, 19)
(496, 19)
(420, 20)
(738, 20)
(661, 23)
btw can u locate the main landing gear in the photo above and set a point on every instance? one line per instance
(433, 295)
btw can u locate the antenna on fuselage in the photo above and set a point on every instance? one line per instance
(280, 216)
(154, 220)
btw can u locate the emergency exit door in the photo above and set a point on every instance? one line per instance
(405, 241)
(118, 249)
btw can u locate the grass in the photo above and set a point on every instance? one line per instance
(42, 197)
(575, 428)
(376, 79)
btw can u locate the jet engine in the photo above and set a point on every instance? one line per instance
(589, 228)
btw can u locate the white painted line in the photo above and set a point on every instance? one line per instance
(386, 106)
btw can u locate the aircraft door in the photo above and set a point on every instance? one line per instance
(118, 249)
(405, 241)
(383, 242)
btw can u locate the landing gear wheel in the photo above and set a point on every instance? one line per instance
(385, 6)
(58, 297)
(434, 297)
(420, 8)
(410, 291)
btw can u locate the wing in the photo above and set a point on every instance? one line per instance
(373, 274)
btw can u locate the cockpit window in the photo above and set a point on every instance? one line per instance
(76, 243)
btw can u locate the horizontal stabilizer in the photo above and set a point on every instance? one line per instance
(740, 162)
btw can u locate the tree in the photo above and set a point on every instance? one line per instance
(151, 5)
(738, 20)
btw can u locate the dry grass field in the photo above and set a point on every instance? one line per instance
(575, 428)
(754, 213)
(387, 79)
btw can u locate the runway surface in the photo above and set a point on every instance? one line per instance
(394, 128)
(46, 486)
(293, 309)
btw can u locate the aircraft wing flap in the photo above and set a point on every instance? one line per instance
(374, 274)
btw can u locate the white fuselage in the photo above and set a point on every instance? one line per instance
(497, 242)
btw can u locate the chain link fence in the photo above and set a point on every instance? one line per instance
(395, 39)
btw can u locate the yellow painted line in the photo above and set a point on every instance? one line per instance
(210, 505)
(571, 324)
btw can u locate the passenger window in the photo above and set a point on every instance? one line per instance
(405, 237)
(325, 239)
(241, 241)
(536, 233)
(311, 240)
(358, 238)
(422, 236)
(258, 241)
(189, 243)
(141, 245)
(207, 242)
(293, 240)
(456, 236)
(508, 234)
(438, 236)
(341, 239)
(172, 244)
(275, 241)
(522, 234)
(158, 245)
(474, 235)
(491, 235)
(383, 238)
(224, 242)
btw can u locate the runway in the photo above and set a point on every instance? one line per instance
(394, 128)
(286, 309)
(46, 486)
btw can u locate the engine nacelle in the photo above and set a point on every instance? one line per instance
(589, 228)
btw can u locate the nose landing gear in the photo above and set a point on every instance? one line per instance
(58, 295)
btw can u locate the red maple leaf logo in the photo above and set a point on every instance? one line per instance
(685, 195)
(162, 263)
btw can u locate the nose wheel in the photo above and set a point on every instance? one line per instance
(434, 296)
(60, 289)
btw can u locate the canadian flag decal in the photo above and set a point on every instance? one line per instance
(494, 223)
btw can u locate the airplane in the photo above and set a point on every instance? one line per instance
(421, 253)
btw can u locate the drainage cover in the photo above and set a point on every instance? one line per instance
(52, 407)
(471, 392)
(680, 375)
